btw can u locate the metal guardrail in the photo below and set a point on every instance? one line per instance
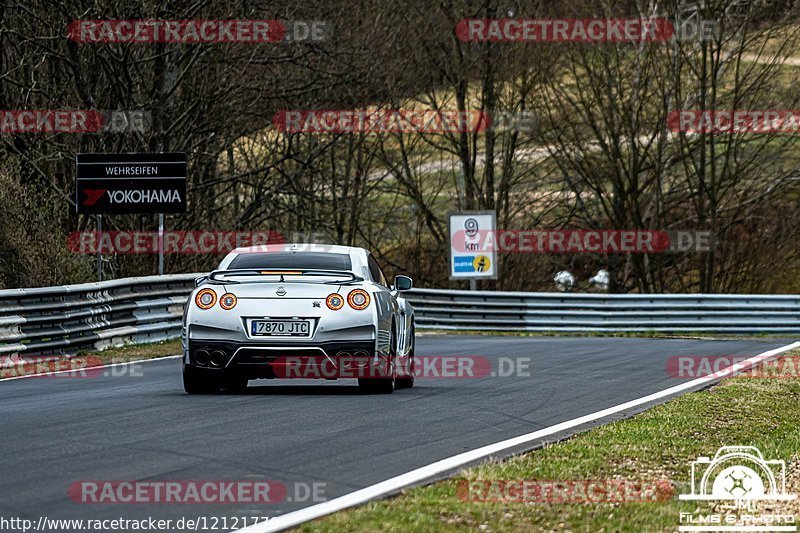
(62, 320)
(565, 312)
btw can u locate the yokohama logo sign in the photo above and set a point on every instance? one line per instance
(133, 196)
(131, 183)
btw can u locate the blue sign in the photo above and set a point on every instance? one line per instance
(464, 264)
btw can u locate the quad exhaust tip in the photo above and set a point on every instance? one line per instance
(360, 358)
(217, 358)
(202, 357)
(345, 359)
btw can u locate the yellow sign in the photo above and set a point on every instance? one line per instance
(481, 263)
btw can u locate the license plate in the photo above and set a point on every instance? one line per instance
(284, 328)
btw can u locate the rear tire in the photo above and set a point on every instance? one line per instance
(383, 385)
(407, 381)
(377, 385)
(236, 384)
(195, 382)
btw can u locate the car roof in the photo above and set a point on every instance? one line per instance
(300, 247)
(358, 256)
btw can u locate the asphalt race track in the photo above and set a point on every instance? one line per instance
(141, 426)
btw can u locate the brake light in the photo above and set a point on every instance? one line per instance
(227, 301)
(334, 301)
(205, 299)
(358, 299)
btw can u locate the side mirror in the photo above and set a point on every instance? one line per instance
(198, 281)
(402, 283)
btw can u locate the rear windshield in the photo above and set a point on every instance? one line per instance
(310, 260)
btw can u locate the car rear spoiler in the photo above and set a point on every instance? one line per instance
(215, 276)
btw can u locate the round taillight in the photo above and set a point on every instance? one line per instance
(358, 299)
(227, 301)
(205, 299)
(334, 301)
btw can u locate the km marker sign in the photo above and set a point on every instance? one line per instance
(131, 183)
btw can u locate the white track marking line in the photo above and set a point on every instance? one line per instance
(82, 369)
(396, 483)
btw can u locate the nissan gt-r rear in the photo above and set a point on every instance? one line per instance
(298, 311)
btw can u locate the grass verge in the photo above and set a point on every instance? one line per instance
(136, 352)
(89, 359)
(658, 444)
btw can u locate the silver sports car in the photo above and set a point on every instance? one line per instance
(298, 311)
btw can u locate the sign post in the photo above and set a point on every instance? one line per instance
(99, 249)
(473, 249)
(160, 244)
(131, 183)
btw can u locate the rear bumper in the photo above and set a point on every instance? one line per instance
(326, 360)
